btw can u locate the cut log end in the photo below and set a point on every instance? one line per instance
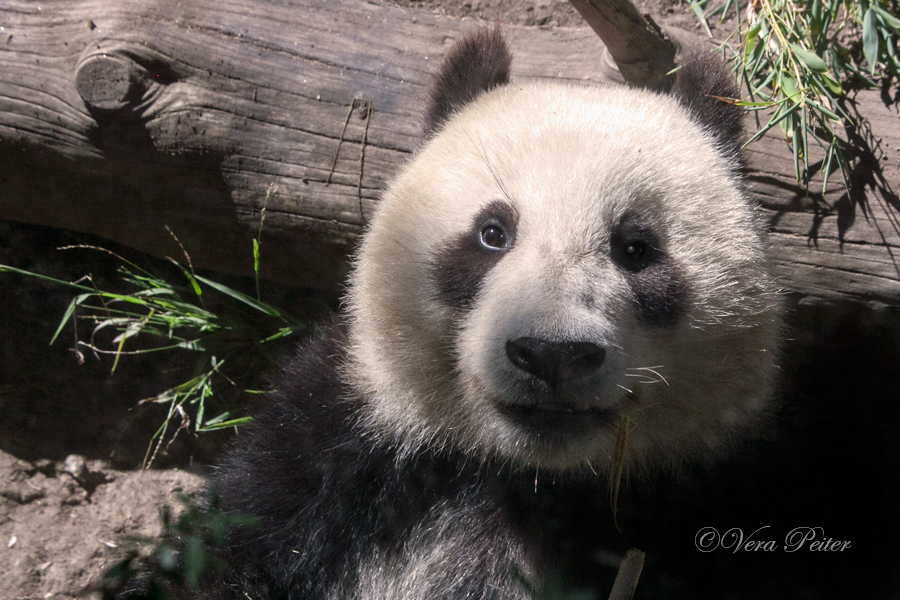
(108, 83)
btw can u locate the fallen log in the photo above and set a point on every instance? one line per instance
(125, 119)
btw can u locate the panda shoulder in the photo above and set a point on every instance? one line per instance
(309, 412)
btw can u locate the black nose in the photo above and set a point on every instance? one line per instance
(556, 363)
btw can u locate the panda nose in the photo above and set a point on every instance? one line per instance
(556, 363)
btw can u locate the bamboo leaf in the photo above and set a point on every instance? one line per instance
(824, 111)
(888, 19)
(832, 84)
(804, 130)
(826, 170)
(871, 39)
(698, 11)
(795, 146)
(788, 126)
(765, 82)
(788, 86)
(776, 119)
(745, 104)
(751, 40)
(812, 60)
(816, 25)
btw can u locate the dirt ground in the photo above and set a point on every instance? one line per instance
(72, 438)
(64, 523)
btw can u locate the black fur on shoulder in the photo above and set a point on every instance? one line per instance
(329, 498)
(701, 77)
(476, 64)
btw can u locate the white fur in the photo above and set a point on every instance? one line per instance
(571, 161)
(435, 558)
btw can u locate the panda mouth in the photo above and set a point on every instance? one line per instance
(556, 418)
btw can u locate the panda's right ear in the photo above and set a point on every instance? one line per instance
(477, 63)
(700, 86)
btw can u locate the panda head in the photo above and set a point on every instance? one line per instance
(557, 262)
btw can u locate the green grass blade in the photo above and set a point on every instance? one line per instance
(251, 302)
(190, 277)
(283, 332)
(225, 424)
(70, 311)
(77, 286)
(256, 266)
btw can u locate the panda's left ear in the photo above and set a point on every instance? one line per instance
(700, 83)
(477, 63)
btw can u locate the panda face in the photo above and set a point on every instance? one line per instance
(556, 263)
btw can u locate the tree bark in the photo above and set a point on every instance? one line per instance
(641, 52)
(123, 118)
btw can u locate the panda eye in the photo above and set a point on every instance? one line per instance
(635, 250)
(493, 237)
(634, 254)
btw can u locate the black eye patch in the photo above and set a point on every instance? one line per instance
(655, 280)
(634, 244)
(460, 267)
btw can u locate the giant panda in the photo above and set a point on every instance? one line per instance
(564, 281)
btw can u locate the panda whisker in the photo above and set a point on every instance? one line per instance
(490, 166)
(646, 378)
(620, 350)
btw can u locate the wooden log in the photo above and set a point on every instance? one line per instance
(124, 118)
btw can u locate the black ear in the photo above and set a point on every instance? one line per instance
(477, 63)
(702, 76)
